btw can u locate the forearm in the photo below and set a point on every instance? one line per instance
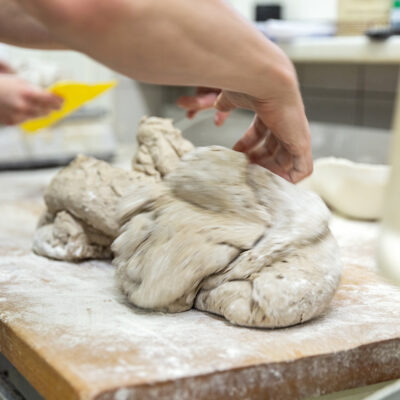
(20, 29)
(182, 42)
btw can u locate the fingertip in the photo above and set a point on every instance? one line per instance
(218, 121)
(181, 101)
(239, 146)
(191, 114)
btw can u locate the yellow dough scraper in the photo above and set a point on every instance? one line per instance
(75, 95)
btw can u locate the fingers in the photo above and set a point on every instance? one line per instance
(206, 98)
(273, 156)
(281, 162)
(38, 103)
(300, 165)
(5, 68)
(34, 103)
(191, 114)
(265, 149)
(220, 117)
(289, 125)
(42, 99)
(198, 102)
(253, 137)
(223, 103)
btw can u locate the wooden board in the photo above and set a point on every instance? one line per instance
(70, 332)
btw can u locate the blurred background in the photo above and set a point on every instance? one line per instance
(348, 83)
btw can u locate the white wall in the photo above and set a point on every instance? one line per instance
(294, 9)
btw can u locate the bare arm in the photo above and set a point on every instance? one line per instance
(21, 29)
(202, 43)
(183, 42)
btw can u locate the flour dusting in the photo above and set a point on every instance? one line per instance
(76, 316)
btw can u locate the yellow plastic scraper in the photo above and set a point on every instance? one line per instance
(75, 95)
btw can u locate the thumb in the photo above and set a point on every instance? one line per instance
(223, 103)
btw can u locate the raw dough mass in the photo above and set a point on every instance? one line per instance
(81, 221)
(200, 228)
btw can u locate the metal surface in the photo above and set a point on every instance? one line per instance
(46, 162)
(13, 386)
(391, 392)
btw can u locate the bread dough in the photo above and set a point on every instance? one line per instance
(200, 228)
(229, 238)
(65, 237)
(160, 147)
(80, 221)
(353, 189)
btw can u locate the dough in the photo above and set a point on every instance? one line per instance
(80, 221)
(196, 227)
(160, 147)
(229, 238)
(67, 238)
(353, 189)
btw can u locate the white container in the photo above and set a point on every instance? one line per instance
(389, 246)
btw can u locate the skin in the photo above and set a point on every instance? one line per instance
(21, 29)
(20, 101)
(194, 43)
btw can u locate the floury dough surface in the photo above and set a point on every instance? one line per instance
(196, 228)
(81, 202)
(80, 221)
(229, 238)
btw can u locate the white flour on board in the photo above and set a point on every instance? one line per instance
(81, 303)
(75, 312)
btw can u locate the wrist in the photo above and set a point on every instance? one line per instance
(270, 72)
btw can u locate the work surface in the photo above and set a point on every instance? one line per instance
(70, 332)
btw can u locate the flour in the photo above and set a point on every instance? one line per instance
(357, 241)
(80, 322)
(77, 309)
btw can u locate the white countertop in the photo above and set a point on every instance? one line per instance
(344, 49)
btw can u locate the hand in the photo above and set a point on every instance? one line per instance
(279, 137)
(205, 98)
(5, 68)
(20, 101)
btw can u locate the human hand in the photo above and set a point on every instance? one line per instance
(203, 99)
(20, 101)
(5, 68)
(279, 137)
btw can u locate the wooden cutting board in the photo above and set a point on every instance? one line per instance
(70, 332)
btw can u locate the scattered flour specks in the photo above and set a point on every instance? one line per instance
(74, 315)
